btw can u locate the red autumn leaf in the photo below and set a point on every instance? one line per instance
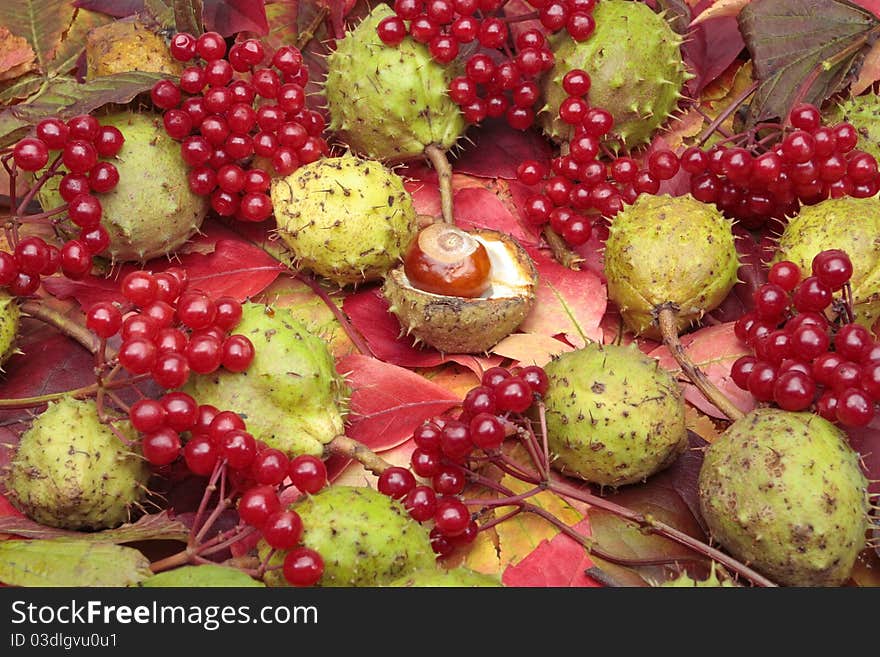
(231, 16)
(569, 302)
(710, 48)
(752, 273)
(713, 349)
(866, 441)
(389, 402)
(218, 262)
(560, 562)
(7, 510)
(368, 312)
(477, 207)
(498, 149)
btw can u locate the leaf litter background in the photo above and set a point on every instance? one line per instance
(396, 385)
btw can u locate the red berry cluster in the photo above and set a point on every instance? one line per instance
(444, 444)
(497, 84)
(171, 329)
(801, 359)
(80, 142)
(220, 438)
(580, 186)
(228, 118)
(260, 507)
(810, 163)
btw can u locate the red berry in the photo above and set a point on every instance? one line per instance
(283, 529)
(421, 503)
(427, 435)
(513, 395)
(396, 482)
(794, 391)
(103, 177)
(257, 505)
(303, 567)
(104, 319)
(237, 353)
(30, 154)
(147, 415)
(785, 274)
(165, 95)
(451, 517)
(53, 133)
(270, 467)
(854, 408)
(812, 295)
(137, 355)
(183, 46)
(200, 455)
(196, 310)
(181, 410)
(833, 268)
(139, 287)
(171, 369)
(85, 210)
(79, 156)
(308, 473)
(425, 463)
(449, 481)
(239, 448)
(161, 447)
(486, 431)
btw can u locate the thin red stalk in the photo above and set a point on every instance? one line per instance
(241, 534)
(222, 505)
(352, 333)
(53, 168)
(532, 15)
(219, 467)
(510, 500)
(730, 109)
(661, 529)
(499, 519)
(42, 217)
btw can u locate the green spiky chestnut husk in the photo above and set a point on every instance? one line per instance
(664, 249)
(863, 112)
(784, 492)
(345, 218)
(468, 325)
(151, 212)
(71, 471)
(635, 65)
(10, 316)
(446, 578)
(614, 416)
(840, 224)
(389, 102)
(365, 538)
(291, 396)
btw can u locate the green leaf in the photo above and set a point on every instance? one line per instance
(206, 575)
(155, 527)
(803, 50)
(41, 22)
(188, 16)
(21, 88)
(74, 42)
(65, 562)
(65, 97)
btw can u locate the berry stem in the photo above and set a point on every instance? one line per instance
(666, 316)
(345, 446)
(561, 253)
(521, 18)
(29, 402)
(730, 109)
(662, 529)
(51, 171)
(69, 327)
(352, 333)
(42, 217)
(441, 165)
